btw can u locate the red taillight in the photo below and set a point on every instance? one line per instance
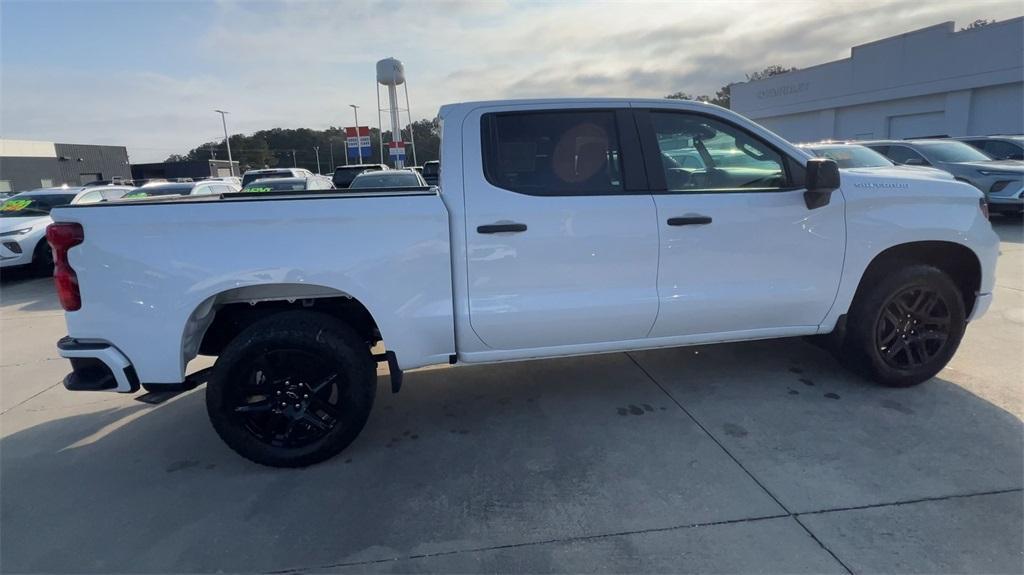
(62, 237)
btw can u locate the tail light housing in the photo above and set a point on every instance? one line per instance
(62, 237)
(984, 208)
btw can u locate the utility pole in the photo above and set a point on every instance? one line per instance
(227, 141)
(317, 150)
(359, 141)
(294, 164)
(332, 155)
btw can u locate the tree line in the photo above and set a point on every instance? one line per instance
(723, 96)
(299, 147)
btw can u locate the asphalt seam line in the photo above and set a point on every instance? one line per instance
(738, 463)
(532, 543)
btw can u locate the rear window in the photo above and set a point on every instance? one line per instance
(386, 180)
(552, 153)
(344, 175)
(249, 178)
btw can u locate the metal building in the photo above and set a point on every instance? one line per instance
(29, 164)
(935, 81)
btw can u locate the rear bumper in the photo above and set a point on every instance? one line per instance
(97, 367)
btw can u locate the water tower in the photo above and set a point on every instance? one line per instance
(391, 73)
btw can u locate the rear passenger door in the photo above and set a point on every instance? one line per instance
(561, 231)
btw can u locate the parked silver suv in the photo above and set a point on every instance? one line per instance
(997, 147)
(1002, 181)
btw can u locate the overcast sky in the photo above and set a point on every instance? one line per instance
(149, 74)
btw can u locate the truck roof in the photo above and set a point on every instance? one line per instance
(465, 106)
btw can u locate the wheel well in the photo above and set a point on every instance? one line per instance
(957, 260)
(230, 319)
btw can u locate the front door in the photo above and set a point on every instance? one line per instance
(561, 232)
(740, 251)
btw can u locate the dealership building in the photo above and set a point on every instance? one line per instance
(30, 164)
(933, 82)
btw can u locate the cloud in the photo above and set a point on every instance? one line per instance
(293, 64)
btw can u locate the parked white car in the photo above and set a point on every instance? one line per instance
(253, 175)
(200, 188)
(24, 217)
(561, 227)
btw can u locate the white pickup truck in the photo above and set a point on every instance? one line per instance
(560, 227)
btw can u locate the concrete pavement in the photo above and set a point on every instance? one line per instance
(755, 457)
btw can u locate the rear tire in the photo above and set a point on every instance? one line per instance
(292, 389)
(904, 327)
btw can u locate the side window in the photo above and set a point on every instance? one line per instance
(699, 153)
(90, 198)
(552, 153)
(1002, 150)
(113, 194)
(904, 155)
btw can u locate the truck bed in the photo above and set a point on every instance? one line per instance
(171, 261)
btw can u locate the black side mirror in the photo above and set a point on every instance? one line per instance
(822, 180)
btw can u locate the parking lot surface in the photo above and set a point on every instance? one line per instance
(751, 457)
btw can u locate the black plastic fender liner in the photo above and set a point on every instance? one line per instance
(393, 369)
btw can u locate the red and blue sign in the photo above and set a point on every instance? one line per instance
(396, 150)
(358, 145)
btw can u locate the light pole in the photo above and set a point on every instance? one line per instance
(227, 142)
(317, 150)
(359, 141)
(294, 163)
(332, 155)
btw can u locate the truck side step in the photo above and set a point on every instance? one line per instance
(393, 369)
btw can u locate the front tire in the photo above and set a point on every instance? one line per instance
(292, 389)
(904, 328)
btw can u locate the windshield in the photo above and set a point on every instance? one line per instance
(951, 152)
(344, 175)
(34, 205)
(852, 156)
(386, 180)
(249, 178)
(158, 190)
(276, 185)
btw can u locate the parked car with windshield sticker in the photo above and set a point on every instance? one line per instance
(200, 188)
(313, 182)
(24, 217)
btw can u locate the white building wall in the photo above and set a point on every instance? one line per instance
(930, 82)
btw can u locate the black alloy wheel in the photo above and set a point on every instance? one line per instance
(290, 398)
(292, 389)
(913, 328)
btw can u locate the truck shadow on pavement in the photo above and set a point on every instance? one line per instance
(474, 458)
(27, 290)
